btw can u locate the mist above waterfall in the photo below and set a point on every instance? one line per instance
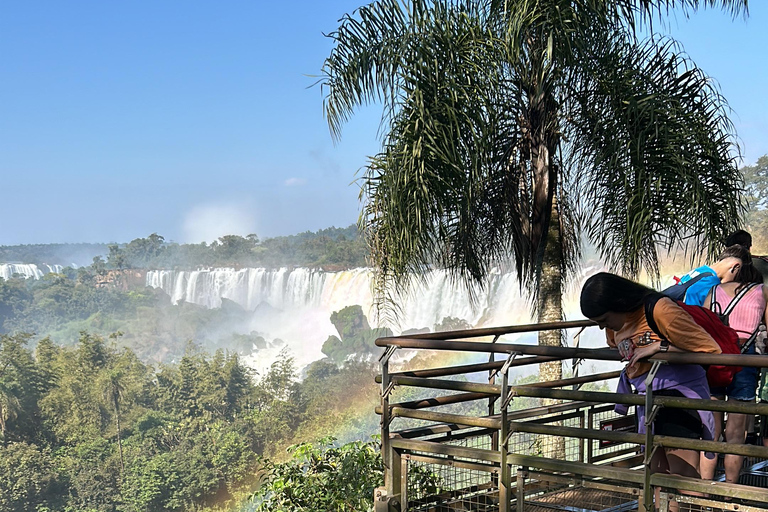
(295, 305)
(208, 222)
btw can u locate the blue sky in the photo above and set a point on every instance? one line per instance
(196, 119)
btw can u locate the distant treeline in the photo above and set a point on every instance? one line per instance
(51, 254)
(331, 248)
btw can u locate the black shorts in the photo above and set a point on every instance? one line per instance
(677, 422)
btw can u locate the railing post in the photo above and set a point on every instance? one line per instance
(391, 480)
(492, 410)
(505, 475)
(650, 414)
(402, 477)
(520, 491)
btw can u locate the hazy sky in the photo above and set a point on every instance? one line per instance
(197, 119)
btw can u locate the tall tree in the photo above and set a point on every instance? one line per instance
(756, 181)
(513, 129)
(9, 409)
(113, 391)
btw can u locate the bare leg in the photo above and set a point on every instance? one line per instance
(735, 433)
(709, 466)
(658, 465)
(684, 463)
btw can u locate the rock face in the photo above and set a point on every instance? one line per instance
(123, 280)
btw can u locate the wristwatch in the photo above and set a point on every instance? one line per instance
(664, 345)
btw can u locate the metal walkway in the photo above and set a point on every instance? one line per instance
(468, 440)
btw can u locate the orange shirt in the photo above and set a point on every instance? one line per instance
(674, 323)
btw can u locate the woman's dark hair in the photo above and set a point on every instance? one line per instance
(605, 292)
(739, 237)
(748, 274)
(736, 251)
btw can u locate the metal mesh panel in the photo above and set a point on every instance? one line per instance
(432, 486)
(556, 447)
(670, 501)
(582, 499)
(599, 418)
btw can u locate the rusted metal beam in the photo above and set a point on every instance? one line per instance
(441, 417)
(576, 380)
(745, 492)
(607, 354)
(748, 450)
(591, 396)
(582, 433)
(499, 331)
(472, 387)
(470, 368)
(446, 449)
(602, 354)
(437, 401)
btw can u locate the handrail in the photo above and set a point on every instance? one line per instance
(500, 430)
(500, 331)
(600, 354)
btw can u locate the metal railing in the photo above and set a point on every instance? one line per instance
(464, 447)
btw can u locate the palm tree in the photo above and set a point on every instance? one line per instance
(10, 406)
(114, 391)
(514, 129)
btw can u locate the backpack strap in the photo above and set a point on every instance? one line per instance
(649, 303)
(736, 299)
(678, 291)
(752, 338)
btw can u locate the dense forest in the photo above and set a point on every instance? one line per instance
(93, 428)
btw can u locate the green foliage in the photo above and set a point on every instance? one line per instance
(357, 337)
(92, 428)
(323, 477)
(756, 181)
(450, 323)
(59, 254)
(29, 479)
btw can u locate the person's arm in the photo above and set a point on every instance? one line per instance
(681, 330)
(650, 350)
(765, 298)
(708, 301)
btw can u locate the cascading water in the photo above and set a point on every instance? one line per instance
(295, 305)
(27, 270)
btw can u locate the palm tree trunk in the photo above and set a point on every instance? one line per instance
(2, 423)
(550, 307)
(119, 441)
(550, 297)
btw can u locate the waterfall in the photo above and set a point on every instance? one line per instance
(499, 303)
(27, 270)
(295, 305)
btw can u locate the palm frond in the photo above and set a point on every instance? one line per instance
(659, 156)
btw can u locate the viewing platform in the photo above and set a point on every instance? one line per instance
(573, 453)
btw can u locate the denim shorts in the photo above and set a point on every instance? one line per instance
(743, 386)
